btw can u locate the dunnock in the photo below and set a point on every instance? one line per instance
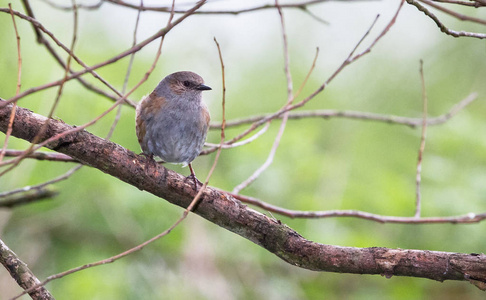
(172, 122)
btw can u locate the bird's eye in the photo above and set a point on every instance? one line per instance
(186, 83)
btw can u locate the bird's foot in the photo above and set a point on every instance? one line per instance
(195, 180)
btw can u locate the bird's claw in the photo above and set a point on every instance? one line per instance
(195, 180)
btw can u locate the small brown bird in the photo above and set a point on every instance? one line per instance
(172, 122)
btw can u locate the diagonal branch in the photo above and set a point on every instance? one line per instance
(229, 213)
(21, 273)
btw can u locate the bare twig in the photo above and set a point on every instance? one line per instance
(474, 3)
(42, 185)
(301, 5)
(442, 27)
(306, 10)
(237, 144)
(127, 75)
(19, 83)
(463, 219)
(223, 100)
(365, 116)
(302, 85)
(418, 178)
(49, 156)
(27, 197)
(382, 34)
(453, 13)
(57, 57)
(80, 6)
(290, 98)
(58, 95)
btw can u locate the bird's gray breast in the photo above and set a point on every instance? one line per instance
(174, 134)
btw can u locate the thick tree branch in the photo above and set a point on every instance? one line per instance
(229, 213)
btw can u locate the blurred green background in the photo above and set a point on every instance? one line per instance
(320, 164)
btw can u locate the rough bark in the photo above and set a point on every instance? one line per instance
(231, 214)
(21, 273)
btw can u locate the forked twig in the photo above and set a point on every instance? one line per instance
(442, 27)
(453, 13)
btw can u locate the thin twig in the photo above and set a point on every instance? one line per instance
(227, 12)
(418, 177)
(474, 3)
(48, 156)
(237, 144)
(58, 95)
(462, 219)
(42, 185)
(364, 116)
(290, 98)
(28, 197)
(313, 66)
(453, 13)
(223, 112)
(306, 10)
(59, 59)
(80, 6)
(17, 90)
(127, 75)
(442, 27)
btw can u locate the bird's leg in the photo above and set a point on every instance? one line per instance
(193, 175)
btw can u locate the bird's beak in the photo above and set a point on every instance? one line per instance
(203, 87)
